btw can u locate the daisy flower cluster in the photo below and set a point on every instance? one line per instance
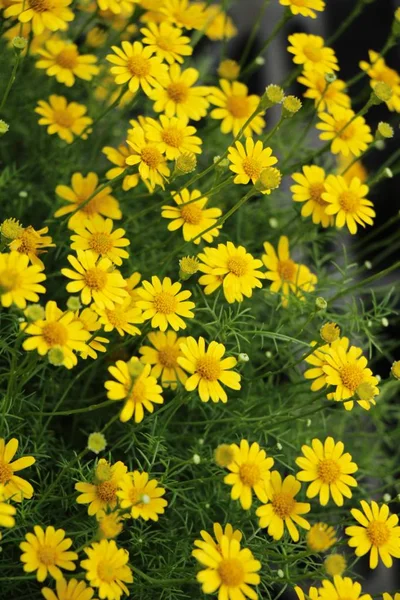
(187, 296)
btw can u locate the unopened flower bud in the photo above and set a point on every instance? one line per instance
(388, 173)
(330, 77)
(96, 442)
(273, 94)
(4, 127)
(135, 367)
(103, 470)
(380, 145)
(382, 92)
(321, 303)
(220, 164)
(270, 179)
(280, 573)
(196, 459)
(34, 312)
(19, 44)
(384, 130)
(395, 370)
(145, 499)
(396, 23)
(73, 303)
(330, 332)
(229, 69)
(260, 61)
(385, 322)
(387, 498)
(279, 446)
(291, 105)
(185, 163)
(11, 229)
(243, 357)
(224, 455)
(368, 265)
(188, 266)
(273, 223)
(56, 357)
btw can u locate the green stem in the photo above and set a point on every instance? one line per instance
(357, 10)
(254, 32)
(11, 80)
(385, 165)
(389, 44)
(77, 411)
(365, 282)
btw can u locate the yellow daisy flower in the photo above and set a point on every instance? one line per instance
(341, 588)
(102, 493)
(58, 330)
(184, 13)
(172, 137)
(310, 52)
(349, 135)
(335, 564)
(163, 357)
(91, 323)
(164, 303)
(152, 164)
(66, 120)
(325, 95)
(283, 509)
(12, 486)
(69, 590)
(380, 72)
(235, 106)
(305, 8)
(42, 14)
(308, 189)
(138, 392)
(96, 37)
(37, 40)
(7, 512)
(321, 537)
(124, 8)
(47, 552)
(233, 268)
(19, 281)
(250, 471)
(347, 201)
(224, 455)
(32, 242)
(166, 42)
(285, 274)
(207, 369)
(118, 156)
(219, 532)
(82, 188)
(62, 60)
(136, 65)
(179, 96)
(95, 280)
(110, 524)
(379, 533)
(96, 234)
(249, 161)
(327, 470)
(231, 570)
(318, 360)
(122, 318)
(141, 496)
(219, 25)
(107, 569)
(356, 170)
(132, 284)
(193, 216)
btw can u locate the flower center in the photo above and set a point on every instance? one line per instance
(28, 243)
(139, 66)
(47, 555)
(63, 118)
(9, 280)
(287, 269)
(349, 201)
(378, 533)
(238, 106)
(251, 167)
(55, 334)
(173, 137)
(39, 5)
(348, 129)
(178, 92)
(351, 376)
(106, 491)
(238, 266)
(101, 243)
(68, 58)
(95, 278)
(151, 156)
(208, 368)
(312, 53)
(165, 303)
(138, 393)
(165, 43)
(167, 356)
(116, 317)
(328, 470)
(249, 474)
(283, 505)
(316, 190)
(6, 472)
(105, 571)
(191, 214)
(231, 572)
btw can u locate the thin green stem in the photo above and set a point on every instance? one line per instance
(253, 33)
(365, 282)
(11, 81)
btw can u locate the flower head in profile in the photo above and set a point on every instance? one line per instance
(283, 508)
(326, 95)
(347, 202)
(69, 590)
(7, 511)
(141, 496)
(32, 242)
(166, 42)
(107, 569)
(110, 524)
(118, 156)
(165, 304)
(230, 569)
(139, 392)
(90, 321)
(287, 276)
(207, 369)
(305, 8)
(249, 161)
(19, 281)
(234, 107)
(318, 360)
(191, 213)
(62, 60)
(250, 471)
(349, 134)
(97, 235)
(380, 72)
(173, 137)
(308, 189)
(84, 202)
(13, 487)
(123, 317)
(183, 13)
(163, 356)
(53, 15)
(327, 470)
(101, 494)
(377, 532)
(232, 267)
(340, 589)
(67, 120)
(120, 8)
(219, 25)
(179, 96)
(150, 160)
(309, 51)
(321, 537)
(47, 552)
(57, 330)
